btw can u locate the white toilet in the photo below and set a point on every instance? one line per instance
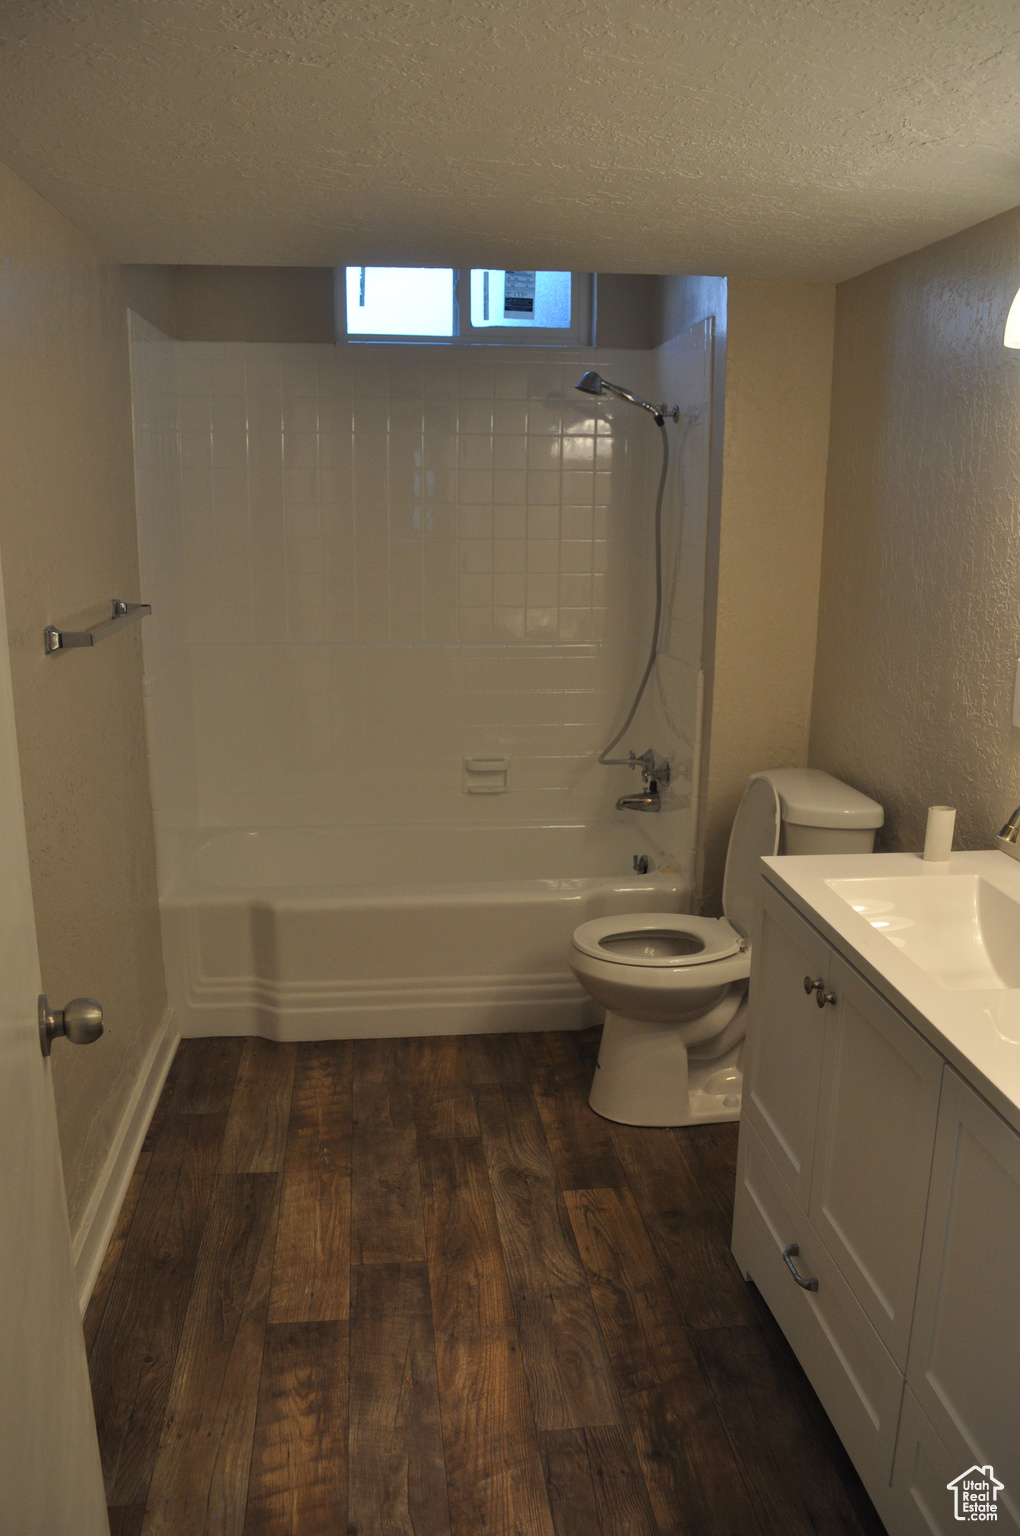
(675, 986)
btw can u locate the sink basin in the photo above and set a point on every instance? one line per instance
(960, 929)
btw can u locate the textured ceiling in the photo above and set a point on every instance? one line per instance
(753, 137)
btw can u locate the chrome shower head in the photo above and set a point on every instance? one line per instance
(595, 384)
(590, 383)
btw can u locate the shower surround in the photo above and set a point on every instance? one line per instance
(368, 564)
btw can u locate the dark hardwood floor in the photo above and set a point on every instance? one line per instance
(417, 1288)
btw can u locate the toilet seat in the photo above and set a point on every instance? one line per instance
(657, 940)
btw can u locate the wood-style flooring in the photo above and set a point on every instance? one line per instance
(418, 1288)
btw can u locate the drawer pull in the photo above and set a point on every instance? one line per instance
(821, 997)
(790, 1252)
(814, 986)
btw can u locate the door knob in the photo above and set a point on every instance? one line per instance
(81, 1022)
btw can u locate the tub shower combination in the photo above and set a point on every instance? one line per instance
(341, 933)
(333, 931)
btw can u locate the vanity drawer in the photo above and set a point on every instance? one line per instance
(848, 1365)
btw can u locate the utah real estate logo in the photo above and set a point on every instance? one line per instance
(975, 1494)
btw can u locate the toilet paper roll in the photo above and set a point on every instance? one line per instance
(938, 837)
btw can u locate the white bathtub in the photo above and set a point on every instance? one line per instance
(341, 933)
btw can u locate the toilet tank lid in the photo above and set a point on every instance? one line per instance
(810, 798)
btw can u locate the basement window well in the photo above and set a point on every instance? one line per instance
(480, 306)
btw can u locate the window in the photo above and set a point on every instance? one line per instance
(480, 306)
(401, 301)
(535, 299)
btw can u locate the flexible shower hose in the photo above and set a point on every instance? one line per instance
(604, 757)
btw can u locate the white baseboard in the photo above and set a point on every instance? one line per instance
(95, 1229)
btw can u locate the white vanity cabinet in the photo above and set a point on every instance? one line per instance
(844, 1094)
(836, 1145)
(878, 1212)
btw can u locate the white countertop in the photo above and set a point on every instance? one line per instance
(978, 1032)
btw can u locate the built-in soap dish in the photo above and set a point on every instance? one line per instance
(486, 775)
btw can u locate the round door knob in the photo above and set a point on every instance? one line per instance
(813, 986)
(81, 1022)
(822, 997)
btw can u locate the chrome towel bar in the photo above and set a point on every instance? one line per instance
(122, 614)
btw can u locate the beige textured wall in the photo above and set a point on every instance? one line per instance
(682, 301)
(920, 618)
(206, 303)
(149, 291)
(778, 378)
(626, 309)
(67, 534)
(253, 303)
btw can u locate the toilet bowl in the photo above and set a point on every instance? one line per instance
(675, 986)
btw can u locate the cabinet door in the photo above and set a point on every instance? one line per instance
(921, 1500)
(785, 1039)
(965, 1345)
(846, 1362)
(877, 1108)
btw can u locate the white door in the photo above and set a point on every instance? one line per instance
(786, 1035)
(50, 1478)
(877, 1109)
(921, 1496)
(965, 1342)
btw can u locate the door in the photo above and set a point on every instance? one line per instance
(785, 1038)
(965, 1342)
(877, 1108)
(50, 1478)
(921, 1498)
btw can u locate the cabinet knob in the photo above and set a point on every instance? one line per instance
(790, 1252)
(813, 986)
(821, 997)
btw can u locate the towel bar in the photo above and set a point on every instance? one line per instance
(55, 639)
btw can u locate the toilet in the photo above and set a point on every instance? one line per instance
(675, 986)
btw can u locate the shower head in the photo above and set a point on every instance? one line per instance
(595, 384)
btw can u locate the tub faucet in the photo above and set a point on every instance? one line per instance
(647, 800)
(653, 772)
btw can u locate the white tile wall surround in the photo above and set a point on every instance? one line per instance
(167, 678)
(372, 562)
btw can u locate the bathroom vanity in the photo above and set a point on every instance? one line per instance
(878, 1185)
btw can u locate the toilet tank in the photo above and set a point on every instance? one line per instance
(821, 814)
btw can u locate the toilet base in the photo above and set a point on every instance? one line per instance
(644, 1077)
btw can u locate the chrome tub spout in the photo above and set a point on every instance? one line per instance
(647, 800)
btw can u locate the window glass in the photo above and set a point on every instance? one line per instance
(400, 301)
(537, 299)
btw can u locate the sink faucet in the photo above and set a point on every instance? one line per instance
(653, 773)
(1009, 838)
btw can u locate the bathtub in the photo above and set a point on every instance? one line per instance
(352, 932)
